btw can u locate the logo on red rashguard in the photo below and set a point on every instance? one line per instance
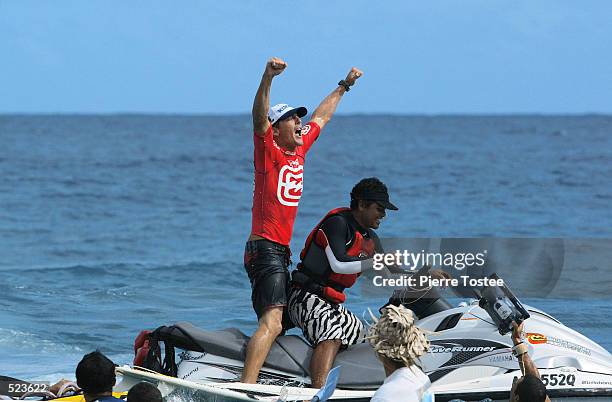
(305, 130)
(289, 190)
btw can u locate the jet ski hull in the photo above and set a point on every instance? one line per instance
(469, 359)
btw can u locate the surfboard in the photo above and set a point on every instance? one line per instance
(232, 390)
(81, 398)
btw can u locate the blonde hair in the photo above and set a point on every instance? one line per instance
(395, 336)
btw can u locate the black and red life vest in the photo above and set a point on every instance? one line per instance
(315, 266)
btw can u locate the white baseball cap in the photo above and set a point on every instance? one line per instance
(282, 111)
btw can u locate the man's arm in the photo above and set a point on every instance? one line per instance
(332, 237)
(525, 363)
(261, 104)
(326, 109)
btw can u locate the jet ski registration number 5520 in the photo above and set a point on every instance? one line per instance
(558, 380)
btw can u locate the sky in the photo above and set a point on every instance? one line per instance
(207, 57)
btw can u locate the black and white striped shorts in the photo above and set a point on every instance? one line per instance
(321, 320)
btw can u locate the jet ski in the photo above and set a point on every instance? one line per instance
(470, 356)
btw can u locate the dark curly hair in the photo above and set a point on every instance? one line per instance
(95, 373)
(531, 389)
(144, 392)
(368, 185)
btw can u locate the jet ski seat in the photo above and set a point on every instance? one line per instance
(227, 342)
(361, 369)
(289, 353)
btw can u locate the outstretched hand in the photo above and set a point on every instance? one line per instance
(63, 385)
(275, 66)
(439, 274)
(353, 75)
(517, 332)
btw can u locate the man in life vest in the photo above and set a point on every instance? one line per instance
(281, 144)
(338, 249)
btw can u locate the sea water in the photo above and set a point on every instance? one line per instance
(114, 224)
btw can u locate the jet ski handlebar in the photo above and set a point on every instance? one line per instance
(423, 301)
(497, 300)
(502, 306)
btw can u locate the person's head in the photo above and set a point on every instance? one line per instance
(369, 200)
(529, 388)
(287, 125)
(144, 392)
(95, 374)
(396, 339)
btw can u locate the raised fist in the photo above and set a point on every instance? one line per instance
(517, 332)
(275, 66)
(353, 75)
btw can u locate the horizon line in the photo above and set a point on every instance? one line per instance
(340, 114)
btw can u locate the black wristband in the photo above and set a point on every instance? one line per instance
(344, 84)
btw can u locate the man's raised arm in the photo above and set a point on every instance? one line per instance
(261, 104)
(525, 362)
(328, 106)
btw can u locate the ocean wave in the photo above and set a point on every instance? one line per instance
(15, 340)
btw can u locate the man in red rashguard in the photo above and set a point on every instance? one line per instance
(281, 144)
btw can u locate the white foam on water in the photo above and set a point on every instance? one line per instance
(20, 341)
(27, 356)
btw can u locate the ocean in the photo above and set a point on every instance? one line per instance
(110, 224)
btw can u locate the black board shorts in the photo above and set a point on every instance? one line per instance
(266, 265)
